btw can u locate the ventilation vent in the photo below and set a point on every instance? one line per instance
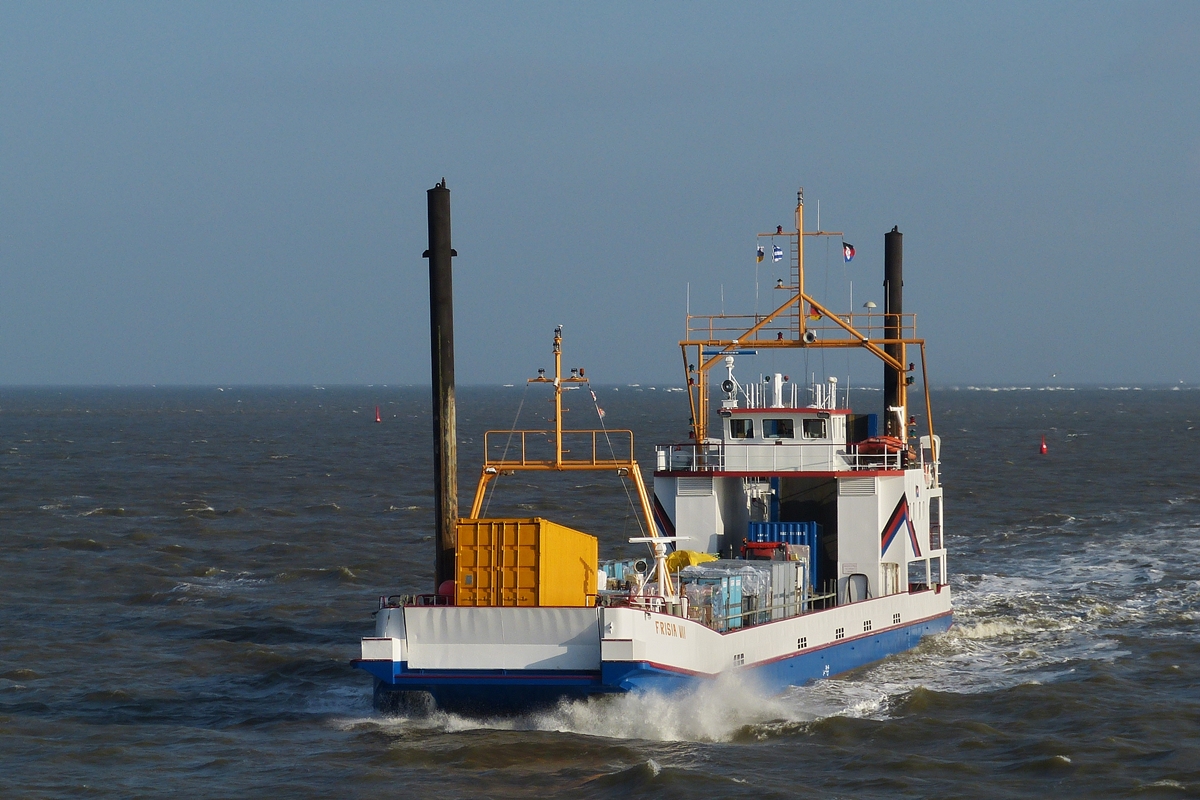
(856, 487)
(696, 487)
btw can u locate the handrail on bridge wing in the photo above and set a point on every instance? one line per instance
(618, 442)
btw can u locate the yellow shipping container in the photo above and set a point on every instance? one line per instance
(524, 562)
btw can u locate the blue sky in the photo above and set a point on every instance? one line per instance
(228, 193)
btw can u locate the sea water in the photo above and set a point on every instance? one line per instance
(185, 575)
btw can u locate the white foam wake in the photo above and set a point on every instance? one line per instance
(718, 711)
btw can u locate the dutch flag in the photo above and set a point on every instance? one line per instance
(847, 251)
(778, 253)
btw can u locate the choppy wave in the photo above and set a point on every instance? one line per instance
(1009, 631)
(722, 711)
(202, 636)
(106, 512)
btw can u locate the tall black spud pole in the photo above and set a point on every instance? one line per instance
(441, 335)
(893, 294)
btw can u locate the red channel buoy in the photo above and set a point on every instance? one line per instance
(380, 419)
(1043, 444)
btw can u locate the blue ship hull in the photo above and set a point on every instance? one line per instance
(516, 691)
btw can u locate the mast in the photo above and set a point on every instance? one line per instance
(558, 390)
(800, 262)
(621, 459)
(895, 405)
(711, 337)
(441, 340)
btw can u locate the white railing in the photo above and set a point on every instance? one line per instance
(689, 457)
(856, 460)
(782, 456)
(789, 456)
(762, 395)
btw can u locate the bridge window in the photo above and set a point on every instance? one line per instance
(814, 428)
(741, 428)
(779, 429)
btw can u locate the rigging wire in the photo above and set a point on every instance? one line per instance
(825, 298)
(846, 277)
(511, 432)
(613, 453)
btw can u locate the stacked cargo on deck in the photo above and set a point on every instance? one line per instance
(732, 593)
(807, 534)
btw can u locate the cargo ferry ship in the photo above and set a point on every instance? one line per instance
(788, 539)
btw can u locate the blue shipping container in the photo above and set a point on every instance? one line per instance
(726, 600)
(798, 533)
(733, 586)
(872, 425)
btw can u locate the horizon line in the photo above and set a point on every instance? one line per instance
(318, 386)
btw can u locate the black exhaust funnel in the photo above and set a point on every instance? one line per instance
(893, 293)
(445, 429)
